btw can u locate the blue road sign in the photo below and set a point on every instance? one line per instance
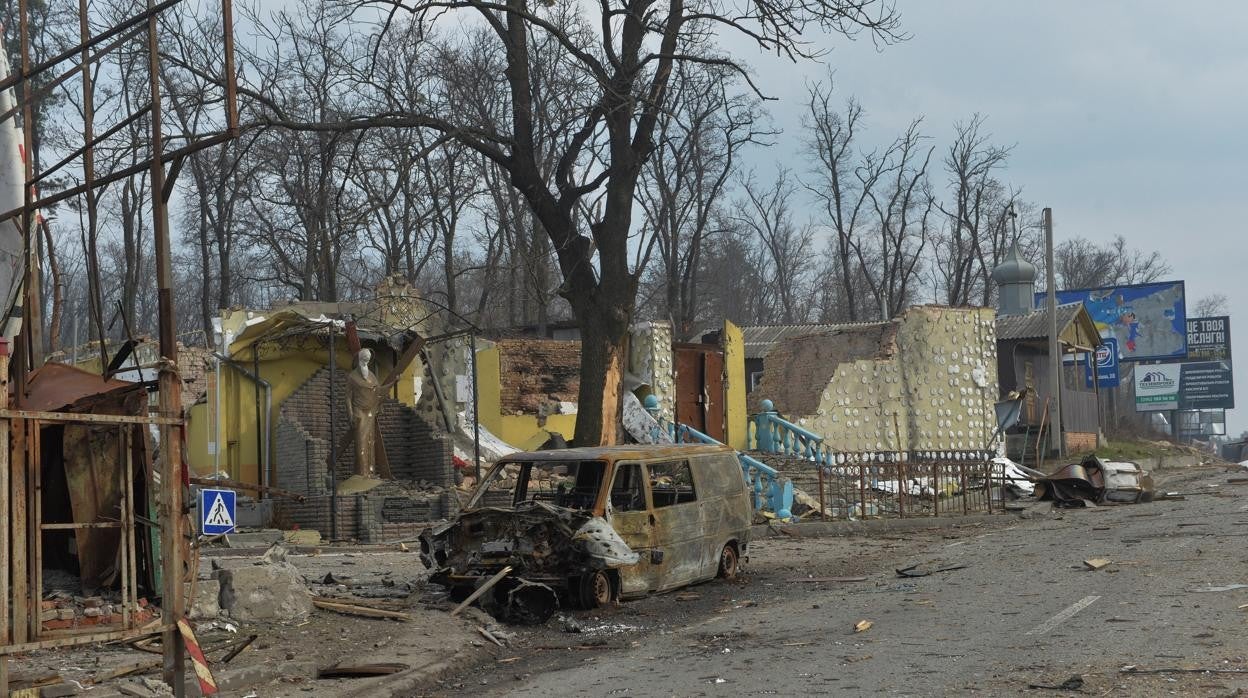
(1106, 365)
(216, 512)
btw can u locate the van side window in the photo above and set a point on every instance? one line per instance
(627, 494)
(671, 482)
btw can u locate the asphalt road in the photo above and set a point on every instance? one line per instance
(1024, 610)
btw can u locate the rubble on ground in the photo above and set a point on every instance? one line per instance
(61, 610)
(271, 589)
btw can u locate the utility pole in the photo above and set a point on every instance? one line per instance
(1055, 346)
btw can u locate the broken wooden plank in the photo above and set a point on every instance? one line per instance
(1097, 563)
(489, 584)
(818, 580)
(357, 610)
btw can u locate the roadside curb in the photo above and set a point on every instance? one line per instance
(820, 529)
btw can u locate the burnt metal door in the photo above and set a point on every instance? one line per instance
(700, 388)
(633, 519)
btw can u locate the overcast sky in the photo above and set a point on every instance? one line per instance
(1127, 117)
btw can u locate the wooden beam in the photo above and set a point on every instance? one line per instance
(88, 417)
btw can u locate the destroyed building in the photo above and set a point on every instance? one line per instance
(1024, 364)
(925, 381)
(274, 414)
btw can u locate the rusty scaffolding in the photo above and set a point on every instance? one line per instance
(21, 552)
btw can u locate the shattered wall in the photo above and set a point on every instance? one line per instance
(925, 381)
(415, 450)
(650, 359)
(538, 374)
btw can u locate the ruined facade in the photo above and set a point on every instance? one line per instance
(419, 457)
(926, 381)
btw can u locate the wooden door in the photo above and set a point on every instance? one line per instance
(700, 388)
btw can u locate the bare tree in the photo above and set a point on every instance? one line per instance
(976, 210)
(702, 130)
(767, 214)
(308, 218)
(836, 180)
(1080, 263)
(1210, 305)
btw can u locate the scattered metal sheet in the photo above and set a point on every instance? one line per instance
(914, 571)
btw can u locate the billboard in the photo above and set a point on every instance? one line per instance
(1198, 385)
(1209, 338)
(1157, 387)
(1206, 385)
(1148, 320)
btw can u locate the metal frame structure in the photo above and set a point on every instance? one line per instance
(20, 464)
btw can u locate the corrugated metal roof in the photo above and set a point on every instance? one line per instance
(1035, 325)
(759, 339)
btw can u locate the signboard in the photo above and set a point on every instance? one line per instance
(216, 512)
(1106, 365)
(1157, 387)
(1199, 385)
(1206, 385)
(1209, 338)
(1148, 320)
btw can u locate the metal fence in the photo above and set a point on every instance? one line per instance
(869, 488)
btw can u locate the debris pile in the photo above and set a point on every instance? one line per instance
(1097, 481)
(63, 611)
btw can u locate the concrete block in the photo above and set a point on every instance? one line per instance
(264, 592)
(207, 601)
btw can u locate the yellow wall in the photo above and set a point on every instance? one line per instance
(519, 430)
(737, 417)
(286, 366)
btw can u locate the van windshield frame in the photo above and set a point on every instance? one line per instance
(571, 484)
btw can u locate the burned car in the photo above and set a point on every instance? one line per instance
(585, 526)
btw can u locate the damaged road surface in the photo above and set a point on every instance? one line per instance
(1023, 611)
(580, 528)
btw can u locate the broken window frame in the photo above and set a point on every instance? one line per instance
(643, 487)
(585, 500)
(676, 465)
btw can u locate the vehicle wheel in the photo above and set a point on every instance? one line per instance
(595, 590)
(728, 562)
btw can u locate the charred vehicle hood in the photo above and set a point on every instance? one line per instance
(540, 539)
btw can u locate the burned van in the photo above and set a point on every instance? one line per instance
(584, 526)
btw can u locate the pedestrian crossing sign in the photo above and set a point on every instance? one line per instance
(216, 512)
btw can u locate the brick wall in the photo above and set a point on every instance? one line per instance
(419, 455)
(537, 372)
(386, 513)
(799, 370)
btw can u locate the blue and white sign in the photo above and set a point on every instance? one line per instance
(1106, 365)
(216, 512)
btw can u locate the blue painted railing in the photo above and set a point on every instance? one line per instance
(771, 433)
(771, 492)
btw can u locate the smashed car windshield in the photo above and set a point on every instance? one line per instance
(571, 484)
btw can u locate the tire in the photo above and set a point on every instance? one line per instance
(728, 562)
(595, 590)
